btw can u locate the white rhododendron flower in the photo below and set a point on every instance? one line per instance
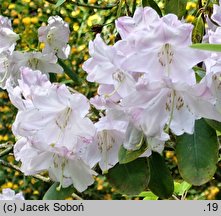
(54, 131)
(8, 38)
(55, 36)
(164, 102)
(34, 60)
(104, 67)
(166, 46)
(21, 96)
(10, 65)
(9, 194)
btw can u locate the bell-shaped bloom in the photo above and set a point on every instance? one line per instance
(55, 36)
(164, 51)
(9, 194)
(166, 104)
(8, 38)
(64, 166)
(47, 63)
(55, 133)
(104, 67)
(21, 95)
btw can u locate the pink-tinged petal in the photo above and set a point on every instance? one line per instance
(182, 121)
(41, 162)
(155, 144)
(81, 174)
(104, 62)
(143, 19)
(216, 14)
(109, 142)
(80, 104)
(133, 138)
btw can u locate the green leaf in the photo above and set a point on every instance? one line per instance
(214, 124)
(177, 7)
(54, 194)
(197, 154)
(148, 195)
(152, 4)
(126, 156)
(199, 72)
(161, 181)
(198, 30)
(130, 178)
(59, 3)
(181, 188)
(207, 47)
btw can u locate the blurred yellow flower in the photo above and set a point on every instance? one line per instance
(10, 159)
(35, 192)
(9, 184)
(107, 197)
(75, 13)
(14, 13)
(33, 181)
(11, 6)
(92, 1)
(212, 192)
(63, 11)
(100, 187)
(81, 47)
(17, 173)
(34, 20)
(67, 19)
(190, 5)
(93, 19)
(31, 4)
(26, 21)
(16, 21)
(15, 187)
(26, 1)
(5, 138)
(42, 46)
(76, 26)
(190, 18)
(21, 182)
(73, 49)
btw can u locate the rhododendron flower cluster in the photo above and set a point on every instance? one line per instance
(53, 131)
(147, 90)
(147, 76)
(46, 61)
